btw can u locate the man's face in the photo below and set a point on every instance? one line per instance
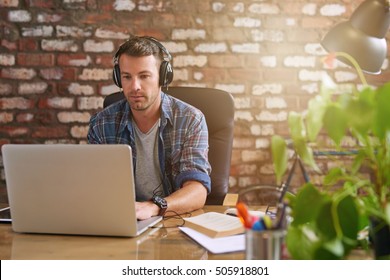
(140, 81)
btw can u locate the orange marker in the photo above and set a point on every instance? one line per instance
(243, 214)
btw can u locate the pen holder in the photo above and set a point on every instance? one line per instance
(264, 245)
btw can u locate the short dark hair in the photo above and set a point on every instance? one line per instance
(140, 46)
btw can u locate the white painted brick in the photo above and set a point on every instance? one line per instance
(190, 60)
(309, 9)
(38, 31)
(211, 48)
(93, 46)
(266, 116)
(242, 143)
(291, 22)
(199, 21)
(315, 49)
(300, 61)
(242, 103)
(275, 102)
(267, 88)
(15, 103)
(70, 117)
(73, 1)
(77, 89)
(344, 76)
(90, 103)
(306, 75)
(267, 130)
(264, 8)
(60, 102)
(174, 47)
(5, 89)
(6, 117)
(246, 22)
(254, 156)
(32, 88)
(73, 31)
(80, 62)
(332, 10)
(106, 90)
(232, 181)
(268, 61)
(188, 34)
(192, 85)
(243, 115)
(144, 6)
(45, 17)
(267, 35)
(7, 59)
(310, 88)
(109, 34)
(218, 7)
(19, 16)
(124, 5)
(59, 45)
(19, 73)
(181, 75)
(79, 131)
(246, 48)
(262, 143)
(198, 76)
(231, 88)
(96, 74)
(267, 169)
(255, 129)
(9, 3)
(238, 8)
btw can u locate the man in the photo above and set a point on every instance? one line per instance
(169, 138)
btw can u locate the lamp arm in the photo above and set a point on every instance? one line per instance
(355, 64)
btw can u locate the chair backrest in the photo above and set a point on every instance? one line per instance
(218, 109)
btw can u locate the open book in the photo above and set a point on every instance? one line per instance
(215, 224)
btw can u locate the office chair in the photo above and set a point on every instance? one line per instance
(218, 109)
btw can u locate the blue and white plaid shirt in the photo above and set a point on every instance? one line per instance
(183, 139)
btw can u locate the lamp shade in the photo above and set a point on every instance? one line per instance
(363, 36)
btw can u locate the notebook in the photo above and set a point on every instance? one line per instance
(72, 189)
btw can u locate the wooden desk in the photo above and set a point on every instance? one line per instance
(156, 243)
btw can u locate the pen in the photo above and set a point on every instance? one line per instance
(243, 214)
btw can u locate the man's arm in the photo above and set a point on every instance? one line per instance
(190, 197)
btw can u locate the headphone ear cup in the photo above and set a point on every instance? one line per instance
(166, 73)
(116, 75)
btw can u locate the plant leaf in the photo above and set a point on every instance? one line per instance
(299, 245)
(316, 110)
(279, 156)
(382, 123)
(307, 204)
(297, 128)
(335, 123)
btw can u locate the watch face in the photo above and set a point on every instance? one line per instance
(161, 202)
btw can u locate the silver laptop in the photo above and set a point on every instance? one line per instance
(72, 189)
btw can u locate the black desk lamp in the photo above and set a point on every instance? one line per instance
(363, 36)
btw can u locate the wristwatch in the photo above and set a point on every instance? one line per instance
(160, 202)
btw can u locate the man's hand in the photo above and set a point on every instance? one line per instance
(145, 210)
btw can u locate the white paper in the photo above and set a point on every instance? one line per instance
(217, 245)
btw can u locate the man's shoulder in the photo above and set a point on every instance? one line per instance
(113, 111)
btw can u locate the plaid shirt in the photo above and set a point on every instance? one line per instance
(183, 139)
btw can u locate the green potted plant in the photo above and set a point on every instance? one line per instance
(327, 221)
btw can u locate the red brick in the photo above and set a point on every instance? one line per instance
(42, 3)
(28, 44)
(50, 132)
(29, 59)
(65, 59)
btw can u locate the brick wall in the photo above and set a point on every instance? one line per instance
(56, 64)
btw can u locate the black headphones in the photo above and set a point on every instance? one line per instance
(166, 70)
